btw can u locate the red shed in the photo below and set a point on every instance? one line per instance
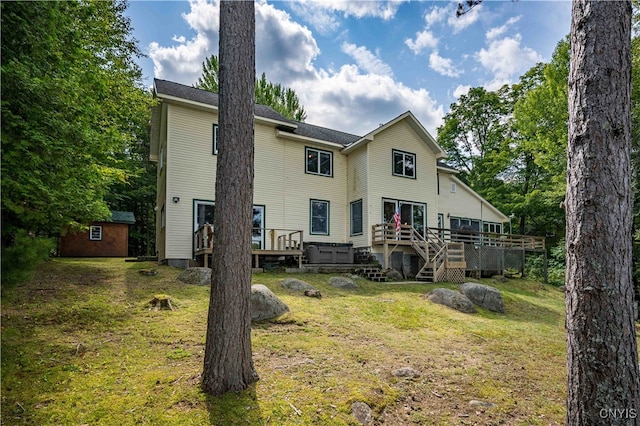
(102, 239)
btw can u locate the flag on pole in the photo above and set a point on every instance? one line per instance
(396, 219)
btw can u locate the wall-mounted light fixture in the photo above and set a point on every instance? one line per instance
(176, 200)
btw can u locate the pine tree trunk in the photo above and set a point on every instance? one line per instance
(602, 356)
(228, 365)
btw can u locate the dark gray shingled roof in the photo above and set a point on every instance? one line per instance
(169, 88)
(122, 217)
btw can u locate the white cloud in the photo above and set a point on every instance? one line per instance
(367, 60)
(443, 66)
(496, 32)
(461, 90)
(357, 103)
(179, 39)
(423, 40)
(506, 58)
(459, 23)
(437, 14)
(325, 15)
(353, 97)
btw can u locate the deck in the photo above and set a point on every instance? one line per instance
(265, 242)
(449, 254)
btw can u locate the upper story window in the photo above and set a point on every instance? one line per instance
(215, 139)
(319, 162)
(95, 233)
(404, 164)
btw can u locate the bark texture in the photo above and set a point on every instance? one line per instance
(228, 364)
(602, 356)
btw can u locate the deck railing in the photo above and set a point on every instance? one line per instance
(386, 232)
(263, 239)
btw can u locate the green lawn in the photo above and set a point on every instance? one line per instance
(81, 346)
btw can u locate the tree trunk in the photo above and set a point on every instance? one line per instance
(602, 356)
(228, 365)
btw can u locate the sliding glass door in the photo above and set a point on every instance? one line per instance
(411, 213)
(204, 211)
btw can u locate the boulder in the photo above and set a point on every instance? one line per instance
(394, 275)
(361, 412)
(197, 276)
(452, 299)
(483, 295)
(407, 372)
(296, 284)
(343, 283)
(265, 304)
(313, 293)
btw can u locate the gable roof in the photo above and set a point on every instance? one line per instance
(169, 90)
(415, 125)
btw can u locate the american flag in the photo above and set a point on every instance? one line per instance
(396, 219)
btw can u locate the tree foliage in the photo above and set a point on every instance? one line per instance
(510, 145)
(71, 101)
(282, 99)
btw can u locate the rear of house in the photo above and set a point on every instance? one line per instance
(314, 187)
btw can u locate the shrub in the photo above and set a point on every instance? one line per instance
(23, 255)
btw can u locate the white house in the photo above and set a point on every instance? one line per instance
(323, 186)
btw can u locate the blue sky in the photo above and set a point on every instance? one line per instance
(358, 64)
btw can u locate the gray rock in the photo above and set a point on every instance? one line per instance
(313, 293)
(197, 276)
(394, 275)
(343, 283)
(483, 295)
(406, 372)
(362, 412)
(265, 304)
(296, 284)
(452, 299)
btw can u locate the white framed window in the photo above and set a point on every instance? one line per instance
(215, 139)
(492, 227)
(356, 217)
(318, 162)
(319, 217)
(404, 164)
(95, 233)
(453, 187)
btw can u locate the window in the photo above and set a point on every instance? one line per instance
(319, 217)
(204, 211)
(215, 139)
(453, 187)
(492, 227)
(414, 214)
(319, 162)
(95, 233)
(404, 164)
(356, 217)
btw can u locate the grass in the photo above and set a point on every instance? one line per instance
(81, 346)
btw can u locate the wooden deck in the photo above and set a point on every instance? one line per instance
(443, 250)
(271, 242)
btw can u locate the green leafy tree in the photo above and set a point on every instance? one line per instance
(69, 92)
(71, 101)
(282, 99)
(209, 79)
